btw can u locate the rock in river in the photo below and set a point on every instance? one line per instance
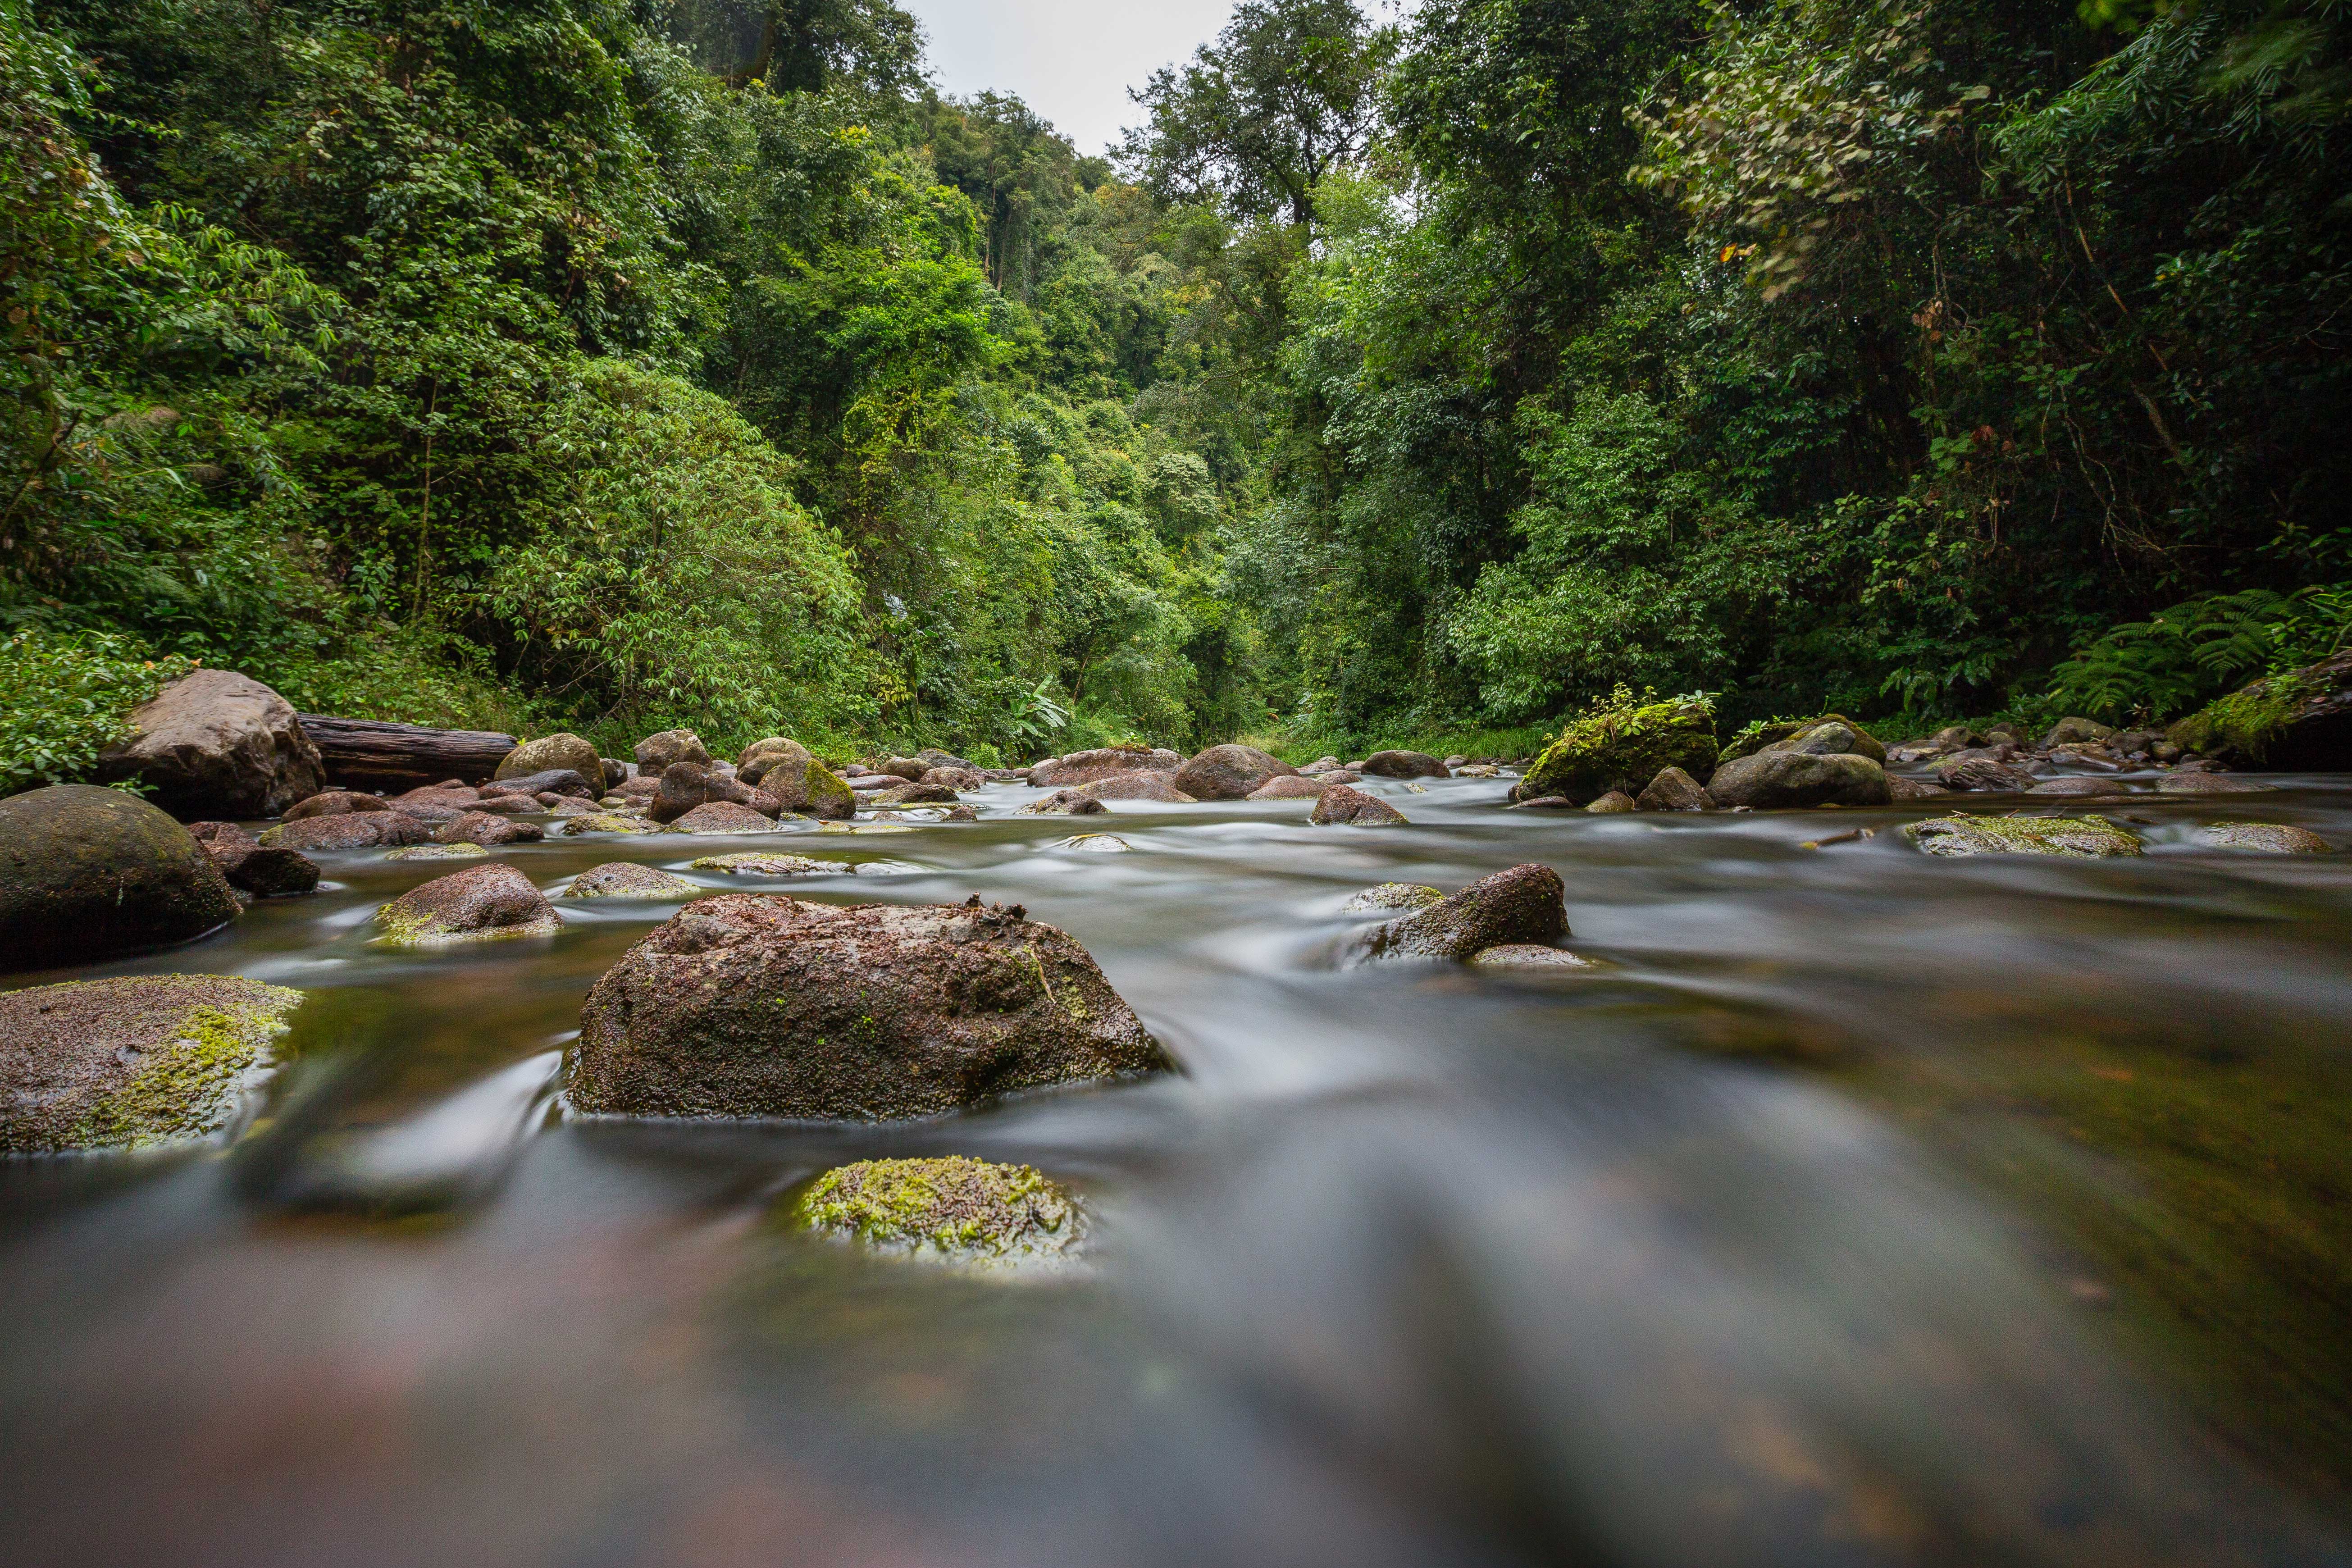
(1343, 804)
(335, 802)
(214, 743)
(2208, 784)
(2079, 837)
(87, 873)
(1674, 790)
(558, 750)
(1524, 904)
(656, 752)
(486, 828)
(479, 902)
(1771, 780)
(1109, 762)
(1290, 786)
(264, 873)
(1622, 750)
(2265, 838)
(1228, 773)
(628, 879)
(752, 1004)
(763, 863)
(132, 1061)
(351, 830)
(952, 1210)
(610, 822)
(721, 817)
(1393, 896)
(1405, 765)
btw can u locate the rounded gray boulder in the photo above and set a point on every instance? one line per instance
(87, 873)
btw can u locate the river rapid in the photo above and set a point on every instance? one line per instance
(1865, 1208)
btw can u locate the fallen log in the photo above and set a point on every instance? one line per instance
(363, 753)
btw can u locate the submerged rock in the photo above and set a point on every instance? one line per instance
(1391, 896)
(352, 830)
(1345, 806)
(2081, 837)
(2265, 838)
(1290, 786)
(762, 1005)
(2208, 784)
(952, 1210)
(476, 904)
(551, 752)
(1228, 773)
(134, 1061)
(215, 743)
(1623, 750)
(88, 873)
(1529, 958)
(1405, 765)
(2077, 786)
(610, 822)
(1772, 779)
(264, 873)
(760, 863)
(628, 879)
(1522, 905)
(721, 817)
(1096, 844)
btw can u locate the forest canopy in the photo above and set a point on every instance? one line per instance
(597, 365)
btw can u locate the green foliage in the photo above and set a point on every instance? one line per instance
(64, 699)
(2154, 670)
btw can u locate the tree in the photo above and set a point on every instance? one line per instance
(1283, 97)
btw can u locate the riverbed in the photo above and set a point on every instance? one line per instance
(1855, 1206)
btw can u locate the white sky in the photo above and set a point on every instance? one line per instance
(1070, 61)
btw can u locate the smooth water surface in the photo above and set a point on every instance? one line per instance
(1867, 1207)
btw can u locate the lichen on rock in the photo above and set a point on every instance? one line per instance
(2076, 837)
(132, 1061)
(1391, 896)
(628, 879)
(948, 1210)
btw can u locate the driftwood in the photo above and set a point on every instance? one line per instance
(362, 753)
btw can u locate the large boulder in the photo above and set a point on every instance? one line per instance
(950, 1210)
(132, 1061)
(811, 790)
(548, 781)
(88, 873)
(1065, 802)
(484, 827)
(775, 752)
(354, 830)
(1225, 773)
(2263, 837)
(275, 873)
(751, 1004)
(481, 902)
(1155, 786)
(2208, 784)
(2069, 837)
(953, 777)
(1343, 806)
(688, 785)
(628, 879)
(721, 817)
(1982, 773)
(1524, 904)
(1623, 748)
(1089, 767)
(550, 751)
(656, 752)
(1774, 780)
(1674, 790)
(1799, 735)
(214, 743)
(2075, 731)
(2297, 722)
(1404, 765)
(915, 794)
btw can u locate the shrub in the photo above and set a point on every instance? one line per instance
(64, 699)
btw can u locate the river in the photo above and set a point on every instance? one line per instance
(1863, 1208)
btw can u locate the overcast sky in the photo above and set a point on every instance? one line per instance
(1071, 60)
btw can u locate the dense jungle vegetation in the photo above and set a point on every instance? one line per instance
(607, 364)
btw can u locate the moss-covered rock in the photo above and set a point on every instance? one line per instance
(1523, 904)
(721, 817)
(2296, 722)
(2208, 784)
(749, 1004)
(950, 1210)
(610, 822)
(656, 752)
(628, 879)
(87, 873)
(351, 830)
(1622, 748)
(458, 851)
(2263, 837)
(763, 863)
(134, 1061)
(2078, 838)
(476, 904)
(1096, 844)
(1345, 806)
(1391, 896)
(1774, 780)
(558, 750)
(1781, 733)
(764, 756)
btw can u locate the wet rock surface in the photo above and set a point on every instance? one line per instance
(1622, 751)
(1771, 780)
(1393, 896)
(1080, 768)
(1523, 905)
(132, 1061)
(1154, 786)
(748, 1005)
(721, 817)
(352, 830)
(2070, 837)
(1404, 765)
(335, 802)
(2263, 837)
(1674, 790)
(215, 743)
(950, 1210)
(628, 879)
(265, 873)
(562, 750)
(2208, 784)
(610, 822)
(87, 873)
(1228, 772)
(1344, 805)
(486, 828)
(759, 863)
(656, 752)
(478, 903)
(1292, 786)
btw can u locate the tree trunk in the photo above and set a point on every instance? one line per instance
(362, 753)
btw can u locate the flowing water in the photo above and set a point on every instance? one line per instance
(1866, 1208)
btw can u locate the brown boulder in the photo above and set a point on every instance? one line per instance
(775, 752)
(1092, 767)
(748, 1005)
(354, 830)
(335, 802)
(1674, 790)
(214, 743)
(1291, 786)
(264, 873)
(481, 901)
(1137, 786)
(1774, 780)
(1227, 772)
(1065, 802)
(558, 751)
(721, 817)
(88, 873)
(1404, 765)
(1343, 806)
(486, 828)
(1524, 904)
(656, 753)
(1615, 800)
(556, 781)
(1982, 772)
(953, 778)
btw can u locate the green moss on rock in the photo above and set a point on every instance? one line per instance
(1624, 746)
(1391, 896)
(2076, 837)
(132, 1061)
(954, 1210)
(2245, 724)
